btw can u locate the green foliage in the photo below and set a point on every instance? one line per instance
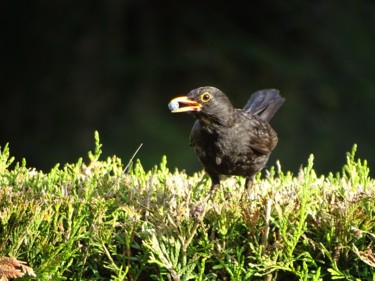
(106, 221)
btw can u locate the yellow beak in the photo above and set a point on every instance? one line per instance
(183, 104)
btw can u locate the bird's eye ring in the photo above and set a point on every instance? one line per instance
(205, 97)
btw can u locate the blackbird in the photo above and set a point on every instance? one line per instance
(227, 140)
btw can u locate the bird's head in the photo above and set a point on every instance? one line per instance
(208, 104)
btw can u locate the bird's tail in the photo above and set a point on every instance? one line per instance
(264, 103)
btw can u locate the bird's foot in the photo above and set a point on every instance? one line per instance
(199, 210)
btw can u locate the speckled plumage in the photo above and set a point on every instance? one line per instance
(230, 141)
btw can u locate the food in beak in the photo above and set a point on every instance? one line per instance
(183, 104)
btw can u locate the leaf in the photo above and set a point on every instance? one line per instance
(366, 256)
(12, 268)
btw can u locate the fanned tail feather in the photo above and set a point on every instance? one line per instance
(264, 103)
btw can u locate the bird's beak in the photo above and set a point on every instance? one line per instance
(184, 104)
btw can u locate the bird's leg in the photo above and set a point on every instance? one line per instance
(249, 184)
(215, 183)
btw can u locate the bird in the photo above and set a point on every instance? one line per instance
(229, 141)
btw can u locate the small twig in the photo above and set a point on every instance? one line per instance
(131, 159)
(267, 225)
(149, 197)
(266, 233)
(125, 169)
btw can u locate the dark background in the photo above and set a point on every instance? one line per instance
(71, 67)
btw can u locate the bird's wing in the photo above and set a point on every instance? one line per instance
(262, 138)
(264, 141)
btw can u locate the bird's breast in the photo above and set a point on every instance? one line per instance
(228, 150)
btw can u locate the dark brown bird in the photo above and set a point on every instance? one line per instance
(230, 141)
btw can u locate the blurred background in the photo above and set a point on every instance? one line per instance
(71, 67)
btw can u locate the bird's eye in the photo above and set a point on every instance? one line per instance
(205, 97)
